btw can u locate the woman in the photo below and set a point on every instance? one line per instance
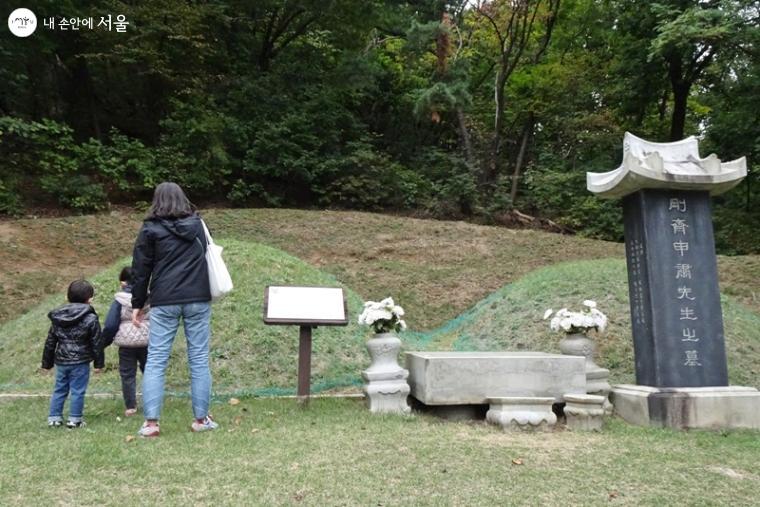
(169, 262)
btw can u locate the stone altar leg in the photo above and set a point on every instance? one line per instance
(584, 412)
(521, 413)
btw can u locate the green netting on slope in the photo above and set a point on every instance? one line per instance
(424, 340)
(511, 317)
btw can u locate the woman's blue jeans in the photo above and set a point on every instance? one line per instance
(164, 322)
(69, 378)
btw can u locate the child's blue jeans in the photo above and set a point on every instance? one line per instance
(71, 378)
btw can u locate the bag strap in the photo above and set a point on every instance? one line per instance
(209, 239)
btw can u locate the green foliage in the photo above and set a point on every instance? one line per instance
(367, 179)
(680, 29)
(76, 191)
(375, 105)
(45, 155)
(556, 195)
(10, 202)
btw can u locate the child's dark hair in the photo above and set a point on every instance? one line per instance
(126, 275)
(80, 291)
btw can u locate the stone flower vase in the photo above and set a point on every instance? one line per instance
(385, 385)
(578, 344)
(597, 378)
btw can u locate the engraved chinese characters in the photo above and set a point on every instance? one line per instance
(673, 286)
(677, 207)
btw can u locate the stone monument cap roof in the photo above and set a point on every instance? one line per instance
(675, 165)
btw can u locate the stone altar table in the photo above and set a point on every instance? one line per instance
(471, 378)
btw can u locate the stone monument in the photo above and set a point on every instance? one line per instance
(676, 318)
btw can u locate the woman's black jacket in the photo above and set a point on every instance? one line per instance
(169, 262)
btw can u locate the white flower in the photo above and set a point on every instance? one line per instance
(382, 316)
(573, 322)
(387, 302)
(547, 313)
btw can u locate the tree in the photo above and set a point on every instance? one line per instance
(690, 37)
(523, 29)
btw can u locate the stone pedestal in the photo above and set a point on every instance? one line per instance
(522, 413)
(386, 389)
(597, 378)
(584, 412)
(731, 407)
(597, 383)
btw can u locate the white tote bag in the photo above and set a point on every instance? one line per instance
(218, 277)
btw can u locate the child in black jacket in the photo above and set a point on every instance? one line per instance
(72, 343)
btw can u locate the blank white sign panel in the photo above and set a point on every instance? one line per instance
(306, 303)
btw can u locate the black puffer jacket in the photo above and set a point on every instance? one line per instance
(169, 260)
(74, 337)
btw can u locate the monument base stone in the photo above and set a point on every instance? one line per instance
(731, 407)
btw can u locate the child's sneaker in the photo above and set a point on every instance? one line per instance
(206, 425)
(55, 424)
(130, 412)
(75, 424)
(149, 430)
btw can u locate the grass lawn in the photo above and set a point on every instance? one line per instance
(271, 452)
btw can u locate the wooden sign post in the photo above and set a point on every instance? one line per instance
(308, 308)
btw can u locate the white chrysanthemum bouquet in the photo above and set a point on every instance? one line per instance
(577, 322)
(383, 317)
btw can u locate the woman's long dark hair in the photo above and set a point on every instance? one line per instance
(170, 201)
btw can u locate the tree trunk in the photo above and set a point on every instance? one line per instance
(678, 120)
(501, 81)
(527, 131)
(748, 180)
(680, 94)
(464, 133)
(662, 107)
